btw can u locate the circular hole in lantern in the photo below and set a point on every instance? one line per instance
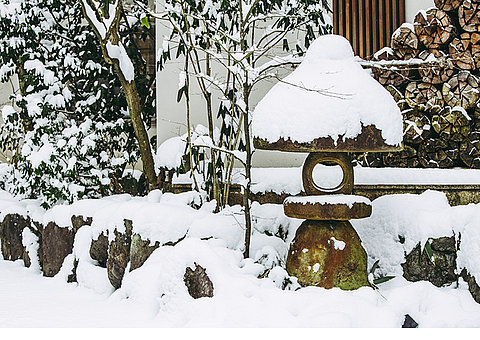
(327, 176)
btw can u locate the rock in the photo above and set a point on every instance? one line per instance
(73, 276)
(198, 283)
(441, 271)
(99, 250)
(328, 254)
(119, 255)
(80, 221)
(473, 286)
(11, 235)
(27, 262)
(140, 251)
(409, 322)
(77, 223)
(57, 243)
(31, 239)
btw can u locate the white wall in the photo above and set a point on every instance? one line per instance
(413, 6)
(5, 91)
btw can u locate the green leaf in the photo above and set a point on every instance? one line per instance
(383, 279)
(429, 251)
(180, 93)
(145, 22)
(374, 267)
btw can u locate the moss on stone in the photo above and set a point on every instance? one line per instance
(328, 254)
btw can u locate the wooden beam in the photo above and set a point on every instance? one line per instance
(401, 10)
(368, 28)
(355, 30)
(382, 22)
(375, 25)
(348, 23)
(341, 16)
(362, 14)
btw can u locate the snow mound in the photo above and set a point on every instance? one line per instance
(170, 152)
(328, 95)
(329, 47)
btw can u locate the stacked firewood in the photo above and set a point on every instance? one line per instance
(432, 71)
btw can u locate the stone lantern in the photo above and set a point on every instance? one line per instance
(328, 107)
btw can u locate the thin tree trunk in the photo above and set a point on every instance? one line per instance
(248, 149)
(21, 74)
(189, 129)
(135, 110)
(248, 174)
(208, 97)
(131, 94)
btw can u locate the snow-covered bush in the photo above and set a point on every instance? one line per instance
(68, 125)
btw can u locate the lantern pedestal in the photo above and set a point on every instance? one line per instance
(328, 254)
(327, 251)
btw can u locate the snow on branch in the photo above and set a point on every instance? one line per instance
(206, 142)
(103, 19)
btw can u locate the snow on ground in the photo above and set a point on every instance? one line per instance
(31, 300)
(241, 300)
(155, 295)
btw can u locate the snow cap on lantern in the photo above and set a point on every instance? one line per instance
(329, 103)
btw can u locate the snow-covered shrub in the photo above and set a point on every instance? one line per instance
(68, 125)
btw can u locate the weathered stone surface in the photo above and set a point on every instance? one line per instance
(409, 322)
(370, 139)
(119, 255)
(99, 250)
(140, 251)
(80, 221)
(316, 211)
(27, 262)
(73, 276)
(441, 271)
(328, 254)
(342, 159)
(57, 243)
(11, 235)
(36, 230)
(198, 283)
(473, 286)
(77, 223)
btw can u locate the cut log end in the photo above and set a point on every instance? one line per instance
(434, 28)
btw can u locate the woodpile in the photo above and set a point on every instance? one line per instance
(432, 70)
(448, 5)
(434, 28)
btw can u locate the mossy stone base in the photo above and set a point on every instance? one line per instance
(328, 254)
